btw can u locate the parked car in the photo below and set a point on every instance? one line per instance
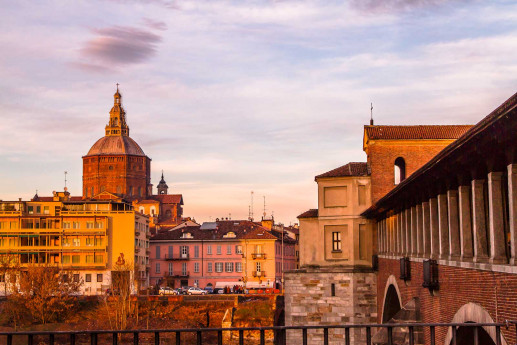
(209, 289)
(196, 291)
(165, 290)
(218, 291)
(183, 290)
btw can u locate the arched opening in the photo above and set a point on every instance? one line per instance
(400, 170)
(391, 304)
(465, 336)
(153, 210)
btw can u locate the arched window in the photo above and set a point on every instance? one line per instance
(153, 210)
(400, 170)
(141, 210)
(139, 191)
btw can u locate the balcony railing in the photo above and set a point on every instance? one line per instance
(259, 273)
(258, 256)
(177, 257)
(200, 336)
(181, 274)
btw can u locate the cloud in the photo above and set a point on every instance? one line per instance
(120, 45)
(155, 24)
(387, 6)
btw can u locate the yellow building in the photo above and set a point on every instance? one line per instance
(91, 238)
(258, 253)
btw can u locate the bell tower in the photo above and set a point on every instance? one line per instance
(162, 186)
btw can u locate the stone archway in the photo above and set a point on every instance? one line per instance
(472, 312)
(392, 300)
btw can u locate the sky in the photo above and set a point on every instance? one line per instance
(229, 97)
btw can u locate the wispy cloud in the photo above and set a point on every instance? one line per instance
(384, 6)
(118, 45)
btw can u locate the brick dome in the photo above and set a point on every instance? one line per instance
(116, 145)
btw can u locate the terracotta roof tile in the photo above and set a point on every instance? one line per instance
(350, 169)
(312, 213)
(416, 132)
(169, 198)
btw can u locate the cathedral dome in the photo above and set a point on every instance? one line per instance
(116, 145)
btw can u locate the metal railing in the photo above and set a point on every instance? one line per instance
(279, 332)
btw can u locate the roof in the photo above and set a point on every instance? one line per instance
(116, 145)
(416, 132)
(51, 198)
(350, 169)
(471, 139)
(312, 213)
(169, 198)
(242, 230)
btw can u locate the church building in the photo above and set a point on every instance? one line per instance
(117, 168)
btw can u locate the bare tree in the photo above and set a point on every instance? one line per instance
(45, 291)
(9, 269)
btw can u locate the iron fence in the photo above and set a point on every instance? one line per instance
(278, 331)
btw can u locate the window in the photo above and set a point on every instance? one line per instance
(89, 225)
(196, 251)
(362, 241)
(89, 241)
(184, 269)
(400, 170)
(170, 268)
(336, 241)
(66, 225)
(30, 209)
(88, 277)
(332, 289)
(209, 250)
(258, 266)
(98, 241)
(229, 249)
(89, 259)
(157, 252)
(170, 252)
(218, 267)
(46, 210)
(99, 259)
(75, 225)
(229, 267)
(99, 278)
(196, 267)
(158, 267)
(219, 250)
(238, 267)
(209, 267)
(361, 189)
(77, 242)
(38, 209)
(99, 225)
(238, 249)
(76, 278)
(76, 259)
(66, 259)
(335, 196)
(184, 251)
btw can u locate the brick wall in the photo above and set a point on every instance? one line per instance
(495, 292)
(117, 174)
(382, 157)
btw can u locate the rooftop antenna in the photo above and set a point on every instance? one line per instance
(264, 206)
(66, 172)
(251, 207)
(117, 86)
(371, 114)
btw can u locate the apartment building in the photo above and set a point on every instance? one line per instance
(91, 238)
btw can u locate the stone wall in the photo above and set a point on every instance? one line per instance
(309, 302)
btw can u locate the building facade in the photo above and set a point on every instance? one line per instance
(447, 235)
(89, 238)
(221, 253)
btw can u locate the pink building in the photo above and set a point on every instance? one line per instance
(199, 255)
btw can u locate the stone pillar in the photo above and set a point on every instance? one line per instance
(479, 231)
(512, 210)
(495, 209)
(454, 225)
(443, 226)
(395, 234)
(407, 212)
(419, 231)
(467, 251)
(413, 231)
(435, 230)
(426, 227)
(403, 233)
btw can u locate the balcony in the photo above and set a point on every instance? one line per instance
(177, 257)
(137, 233)
(259, 256)
(260, 274)
(181, 274)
